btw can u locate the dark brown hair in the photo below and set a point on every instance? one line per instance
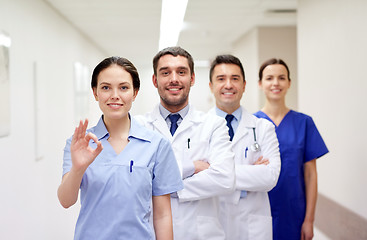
(174, 51)
(271, 62)
(226, 59)
(120, 61)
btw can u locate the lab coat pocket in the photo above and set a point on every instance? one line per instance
(209, 228)
(251, 156)
(259, 227)
(194, 151)
(197, 150)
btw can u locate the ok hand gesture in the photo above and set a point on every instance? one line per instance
(82, 155)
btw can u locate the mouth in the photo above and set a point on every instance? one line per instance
(275, 90)
(114, 105)
(174, 89)
(228, 93)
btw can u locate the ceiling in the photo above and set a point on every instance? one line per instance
(131, 28)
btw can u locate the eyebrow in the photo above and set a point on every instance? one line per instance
(106, 83)
(180, 68)
(233, 75)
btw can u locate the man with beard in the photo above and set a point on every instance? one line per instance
(201, 145)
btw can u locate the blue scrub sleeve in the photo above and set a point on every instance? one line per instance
(67, 158)
(315, 145)
(167, 177)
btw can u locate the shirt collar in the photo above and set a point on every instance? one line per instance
(136, 130)
(164, 112)
(237, 114)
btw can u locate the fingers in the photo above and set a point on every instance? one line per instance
(261, 161)
(99, 148)
(90, 136)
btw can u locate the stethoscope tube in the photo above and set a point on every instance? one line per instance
(255, 147)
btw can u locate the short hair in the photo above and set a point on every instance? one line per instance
(174, 51)
(226, 59)
(120, 61)
(271, 62)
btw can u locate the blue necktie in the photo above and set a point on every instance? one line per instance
(229, 119)
(174, 118)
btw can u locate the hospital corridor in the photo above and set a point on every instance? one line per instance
(49, 48)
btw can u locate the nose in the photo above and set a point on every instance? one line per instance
(228, 83)
(276, 81)
(115, 94)
(174, 77)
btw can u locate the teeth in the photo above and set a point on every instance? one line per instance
(227, 93)
(275, 90)
(174, 89)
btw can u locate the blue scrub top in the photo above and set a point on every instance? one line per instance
(117, 190)
(299, 142)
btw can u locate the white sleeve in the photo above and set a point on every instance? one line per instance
(219, 178)
(261, 177)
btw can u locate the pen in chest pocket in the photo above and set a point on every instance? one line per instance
(188, 143)
(246, 152)
(131, 165)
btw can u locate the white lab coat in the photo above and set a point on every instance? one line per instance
(196, 210)
(249, 218)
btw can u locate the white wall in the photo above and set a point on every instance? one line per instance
(332, 37)
(246, 49)
(259, 45)
(45, 45)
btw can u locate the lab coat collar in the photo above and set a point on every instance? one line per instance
(155, 118)
(247, 122)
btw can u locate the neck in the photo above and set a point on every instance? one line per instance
(229, 109)
(118, 128)
(174, 108)
(275, 108)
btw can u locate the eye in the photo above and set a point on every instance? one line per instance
(182, 72)
(124, 88)
(105, 87)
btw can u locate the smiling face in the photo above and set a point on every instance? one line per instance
(227, 85)
(114, 92)
(173, 81)
(275, 82)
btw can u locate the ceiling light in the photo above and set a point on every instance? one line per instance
(172, 16)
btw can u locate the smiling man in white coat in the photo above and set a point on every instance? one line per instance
(201, 145)
(245, 214)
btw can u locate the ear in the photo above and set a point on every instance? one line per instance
(154, 79)
(135, 94)
(244, 86)
(192, 81)
(211, 86)
(95, 93)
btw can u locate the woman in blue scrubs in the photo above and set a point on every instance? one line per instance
(293, 199)
(120, 167)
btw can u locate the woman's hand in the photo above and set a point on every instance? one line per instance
(82, 155)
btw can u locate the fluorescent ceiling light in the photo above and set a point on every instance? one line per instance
(172, 16)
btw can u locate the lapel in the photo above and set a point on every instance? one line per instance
(156, 120)
(245, 126)
(189, 120)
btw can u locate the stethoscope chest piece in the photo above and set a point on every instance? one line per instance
(255, 147)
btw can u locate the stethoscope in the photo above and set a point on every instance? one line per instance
(255, 147)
